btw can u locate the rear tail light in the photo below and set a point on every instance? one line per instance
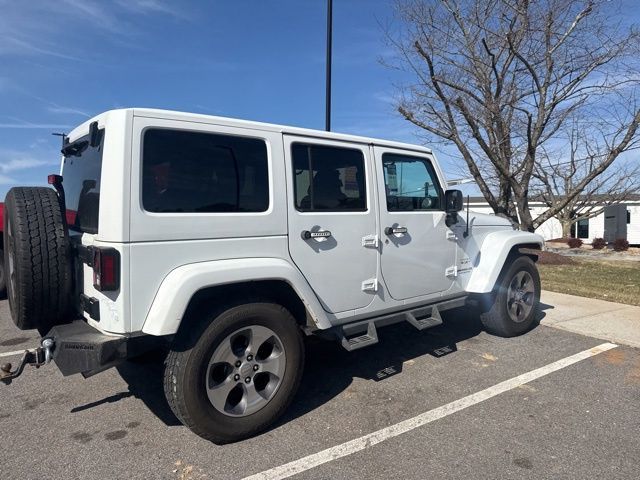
(106, 269)
(54, 179)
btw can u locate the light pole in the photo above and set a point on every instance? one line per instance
(328, 79)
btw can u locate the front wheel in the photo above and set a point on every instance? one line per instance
(513, 305)
(234, 374)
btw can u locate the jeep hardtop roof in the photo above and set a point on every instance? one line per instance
(233, 122)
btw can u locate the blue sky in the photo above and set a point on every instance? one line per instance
(67, 60)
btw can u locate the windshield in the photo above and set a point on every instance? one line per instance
(81, 181)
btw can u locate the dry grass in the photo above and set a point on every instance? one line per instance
(616, 281)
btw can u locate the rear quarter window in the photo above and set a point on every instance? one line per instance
(186, 171)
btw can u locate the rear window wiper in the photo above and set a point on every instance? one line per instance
(74, 149)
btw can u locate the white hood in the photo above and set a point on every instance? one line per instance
(484, 220)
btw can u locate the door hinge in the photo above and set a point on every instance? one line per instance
(85, 254)
(370, 241)
(452, 235)
(370, 285)
(451, 271)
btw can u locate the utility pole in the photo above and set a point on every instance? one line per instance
(328, 80)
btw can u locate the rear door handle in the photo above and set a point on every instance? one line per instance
(395, 230)
(323, 234)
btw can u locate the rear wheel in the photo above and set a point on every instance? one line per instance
(513, 305)
(37, 263)
(236, 372)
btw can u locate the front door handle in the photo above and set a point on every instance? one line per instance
(320, 235)
(395, 230)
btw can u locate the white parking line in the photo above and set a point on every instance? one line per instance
(366, 441)
(11, 354)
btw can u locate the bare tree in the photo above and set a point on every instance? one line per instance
(500, 78)
(556, 174)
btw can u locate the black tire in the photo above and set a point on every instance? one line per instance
(36, 244)
(187, 367)
(496, 317)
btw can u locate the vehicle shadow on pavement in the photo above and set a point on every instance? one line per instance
(543, 307)
(329, 369)
(144, 377)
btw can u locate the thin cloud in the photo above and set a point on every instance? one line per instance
(94, 13)
(4, 180)
(384, 97)
(12, 45)
(44, 126)
(16, 167)
(67, 110)
(21, 162)
(38, 28)
(150, 7)
(52, 107)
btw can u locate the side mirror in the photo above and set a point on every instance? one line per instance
(452, 205)
(453, 201)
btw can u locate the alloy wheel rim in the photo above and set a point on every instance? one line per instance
(520, 296)
(245, 371)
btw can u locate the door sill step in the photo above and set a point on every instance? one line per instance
(360, 341)
(421, 321)
(364, 333)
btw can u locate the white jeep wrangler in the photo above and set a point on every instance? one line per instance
(226, 241)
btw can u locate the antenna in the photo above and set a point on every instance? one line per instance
(466, 230)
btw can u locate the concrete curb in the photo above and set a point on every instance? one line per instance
(611, 321)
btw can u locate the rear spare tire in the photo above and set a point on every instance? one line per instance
(37, 259)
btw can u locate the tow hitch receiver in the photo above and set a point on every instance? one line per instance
(36, 357)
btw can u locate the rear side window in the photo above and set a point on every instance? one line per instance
(328, 178)
(185, 171)
(81, 169)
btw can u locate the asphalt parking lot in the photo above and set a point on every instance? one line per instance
(577, 421)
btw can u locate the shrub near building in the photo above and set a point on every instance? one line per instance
(574, 242)
(620, 245)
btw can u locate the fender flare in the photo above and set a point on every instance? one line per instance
(179, 286)
(493, 254)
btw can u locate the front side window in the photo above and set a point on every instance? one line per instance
(410, 183)
(185, 171)
(328, 178)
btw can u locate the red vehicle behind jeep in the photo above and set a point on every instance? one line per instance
(2, 281)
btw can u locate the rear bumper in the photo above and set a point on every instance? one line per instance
(80, 348)
(77, 347)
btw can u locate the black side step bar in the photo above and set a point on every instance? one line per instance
(361, 341)
(364, 333)
(421, 321)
